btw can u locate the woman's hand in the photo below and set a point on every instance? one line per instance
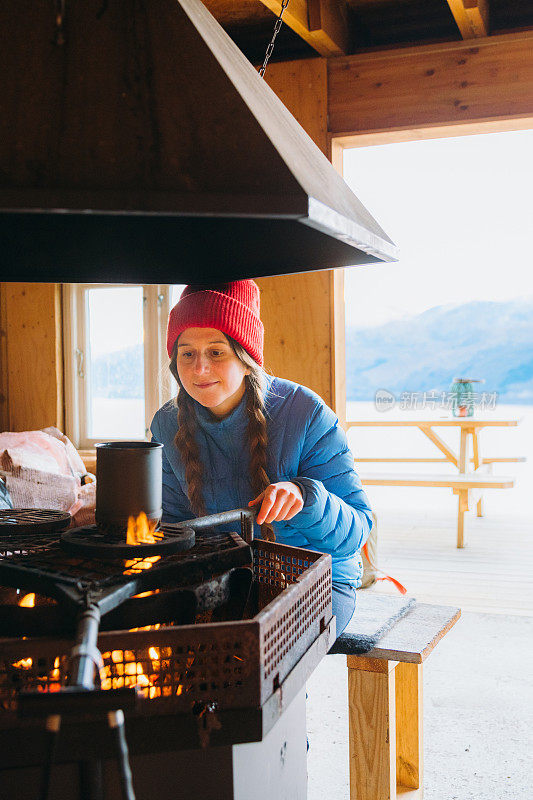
(279, 501)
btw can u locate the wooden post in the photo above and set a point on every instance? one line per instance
(463, 449)
(372, 728)
(462, 507)
(409, 720)
(475, 455)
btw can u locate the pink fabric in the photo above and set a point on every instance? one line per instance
(33, 450)
(74, 459)
(83, 509)
(43, 469)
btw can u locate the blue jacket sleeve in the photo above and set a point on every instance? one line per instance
(176, 506)
(336, 516)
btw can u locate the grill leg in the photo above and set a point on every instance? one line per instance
(91, 781)
(116, 723)
(53, 725)
(84, 656)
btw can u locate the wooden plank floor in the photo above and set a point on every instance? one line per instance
(492, 574)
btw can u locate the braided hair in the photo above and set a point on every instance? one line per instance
(185, 439)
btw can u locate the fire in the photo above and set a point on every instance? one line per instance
(136, 565)
(47, 681)
(141, 530)
(126, 671)
(24, 663)
(28, 601)
(146, 628)
(151, 675)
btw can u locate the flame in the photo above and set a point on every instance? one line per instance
(132, 673)
(147, 594)
(28, 601)
(136, 565)
(141, 530)
(55, 674)
(122, 669)
(24, 663)
(46, 682)
(146, 628)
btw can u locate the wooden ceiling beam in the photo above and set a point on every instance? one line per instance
(321, 23)
(471, 16)
(452, 83)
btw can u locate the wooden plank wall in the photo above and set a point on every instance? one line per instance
(32, 356)
(452, 83)
(4, 407)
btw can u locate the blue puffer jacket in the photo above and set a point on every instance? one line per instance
(305, 445)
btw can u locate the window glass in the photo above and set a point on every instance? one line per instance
(175, 293)
(115, 402)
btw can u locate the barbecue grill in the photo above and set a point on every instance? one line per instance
(199, 661)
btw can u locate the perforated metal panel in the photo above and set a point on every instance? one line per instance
(232, 664)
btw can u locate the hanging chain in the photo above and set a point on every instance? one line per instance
(270, 47)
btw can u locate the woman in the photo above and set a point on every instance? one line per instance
(236, 436)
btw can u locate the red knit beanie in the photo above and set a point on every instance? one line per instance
(232, 308)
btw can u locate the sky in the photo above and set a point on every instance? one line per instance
(460, 210)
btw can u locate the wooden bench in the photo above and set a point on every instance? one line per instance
(460, 484)
(385, 705)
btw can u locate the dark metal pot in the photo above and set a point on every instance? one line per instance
(128, 481)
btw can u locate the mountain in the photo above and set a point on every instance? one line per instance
(490, 340)
(423, 353)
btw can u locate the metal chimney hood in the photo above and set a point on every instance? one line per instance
(146, 148)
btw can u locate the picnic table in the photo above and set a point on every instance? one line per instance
(474, 472)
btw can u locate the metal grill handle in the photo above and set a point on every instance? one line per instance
(244, 516)
(222, 518)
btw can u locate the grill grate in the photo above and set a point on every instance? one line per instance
(39, 560)
(19, 521)
(233, 664)
(95, 542)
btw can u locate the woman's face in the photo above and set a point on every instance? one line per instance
(209, 370)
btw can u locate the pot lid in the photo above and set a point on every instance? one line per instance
(146, 148)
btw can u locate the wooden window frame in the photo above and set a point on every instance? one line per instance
(156, 307)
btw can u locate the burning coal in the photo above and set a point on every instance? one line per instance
(28, 601)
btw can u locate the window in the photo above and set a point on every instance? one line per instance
(459, 302)
(116, 359)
